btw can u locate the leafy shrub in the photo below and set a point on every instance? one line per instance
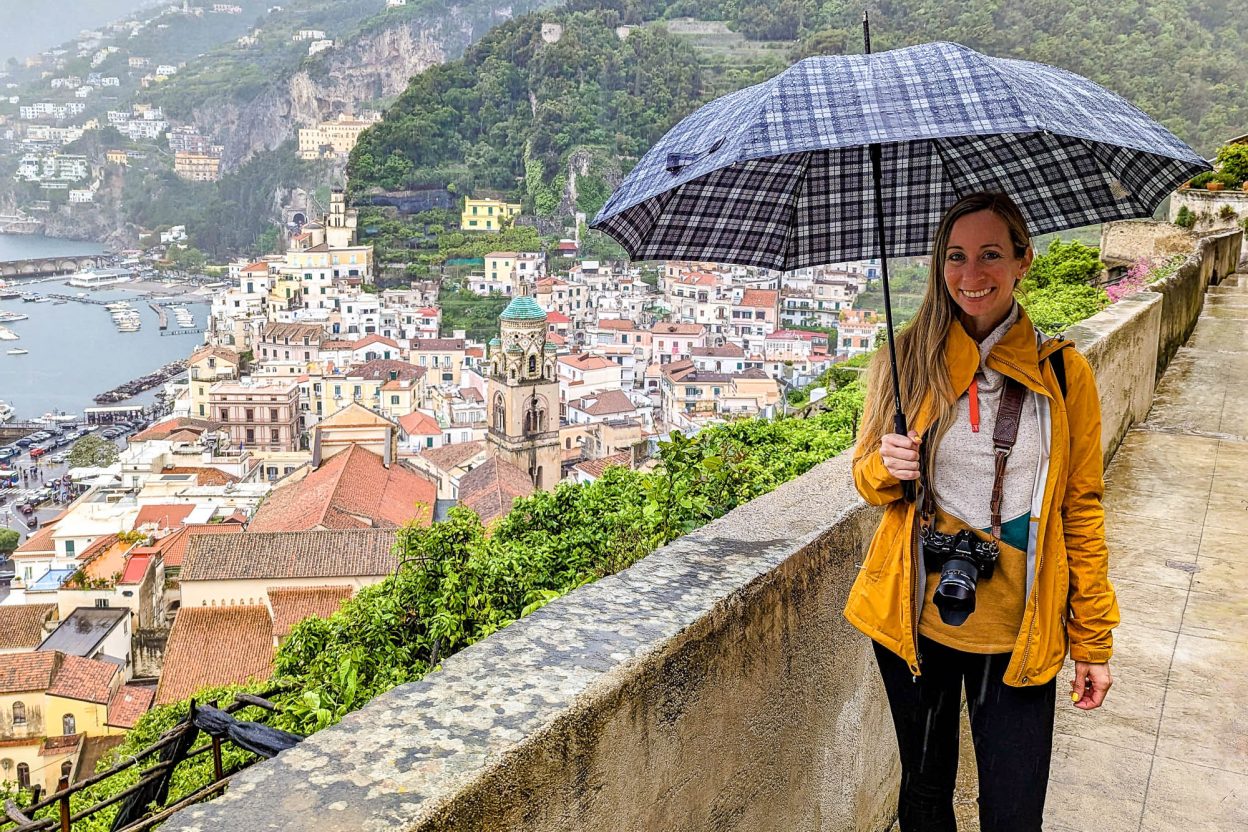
(1059, 306)
(1064, 263)
(1185, 218)
(1232, 160)
(1228, 213)
(1200, 180)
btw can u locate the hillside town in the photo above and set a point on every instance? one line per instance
(322, 414)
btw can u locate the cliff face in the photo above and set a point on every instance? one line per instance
(374, 66)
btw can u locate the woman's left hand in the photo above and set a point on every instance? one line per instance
(1091, 683)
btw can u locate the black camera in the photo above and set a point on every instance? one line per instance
(962, 559)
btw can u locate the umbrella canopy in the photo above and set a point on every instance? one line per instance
(778, 175)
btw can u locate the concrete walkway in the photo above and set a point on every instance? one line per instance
(1169, 751)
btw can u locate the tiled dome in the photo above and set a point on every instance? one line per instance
(523, 308)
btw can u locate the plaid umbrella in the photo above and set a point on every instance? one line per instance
(779, 174)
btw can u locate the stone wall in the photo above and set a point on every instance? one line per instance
(1208, 207)
(712, 686)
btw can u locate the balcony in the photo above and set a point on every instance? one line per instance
(715, 684)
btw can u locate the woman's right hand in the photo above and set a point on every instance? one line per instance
(901, 455)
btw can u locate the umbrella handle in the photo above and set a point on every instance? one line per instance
(899, 427)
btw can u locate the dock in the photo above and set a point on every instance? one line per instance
(143, 383)
(161, 314)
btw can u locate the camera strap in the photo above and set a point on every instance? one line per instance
(1004, 434)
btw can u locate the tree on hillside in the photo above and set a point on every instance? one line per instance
(92, 452)
(8, 541)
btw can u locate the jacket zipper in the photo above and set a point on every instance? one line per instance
(914, 591)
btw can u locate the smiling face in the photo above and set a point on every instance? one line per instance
(981, 269)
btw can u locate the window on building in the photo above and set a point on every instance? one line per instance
(69, 548)
(275, 435)
(251, 436)
(19, 713)
(23, 776)
(67, 768)
(249, 415)
(394, 400)
(272, 414)
(225, 414)
(67, 725)
(100, 603)
(272, 473)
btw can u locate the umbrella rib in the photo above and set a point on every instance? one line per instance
(797, 198)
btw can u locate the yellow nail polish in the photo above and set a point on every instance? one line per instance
(1074, 696)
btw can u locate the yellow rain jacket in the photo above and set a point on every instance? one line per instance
(1070, 601)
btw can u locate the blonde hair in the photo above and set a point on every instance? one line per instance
(921, 367)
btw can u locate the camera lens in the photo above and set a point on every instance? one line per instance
(955, 594)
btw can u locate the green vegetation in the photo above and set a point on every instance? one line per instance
(457, 584)
(224, 217)
(473, 313)
(9, 540)
(92, 452)
(1057, 291)
(1232, 160)
(907, 281)
(518, 107)
(1186, 218)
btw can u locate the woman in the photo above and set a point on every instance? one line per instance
(968, 345)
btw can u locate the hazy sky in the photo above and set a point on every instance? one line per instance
(30, 26)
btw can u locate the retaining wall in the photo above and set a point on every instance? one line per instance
(712, 686)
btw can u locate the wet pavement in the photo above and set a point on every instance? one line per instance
(1169, 750)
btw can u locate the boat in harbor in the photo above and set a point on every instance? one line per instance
(7, 334)
(10, 317)
(18, 351)
(6, 411)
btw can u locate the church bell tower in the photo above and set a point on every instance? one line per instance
(523, 394)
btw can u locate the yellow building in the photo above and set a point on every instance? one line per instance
(207, 366)
(486, 214)
(49, 702)
(197, 167)
(116, 157)
(335, 137)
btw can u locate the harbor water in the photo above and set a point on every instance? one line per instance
(74, 351)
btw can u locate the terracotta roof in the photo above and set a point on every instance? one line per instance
(438, 344)
(353, 489)
(203, 476)
(336, 344)
(596, 467)
(759, 298)
(21, 625)
(211, 646)
(471, 394)
(293, 604)
(374, 338)
(38, 543)
(429, 311)
(56, 746)
(224, 353)
(677, 329)
(726, 351)
(586, 361)
(492, 487)
(306, 554)
(419, 424)
(98, 546)
(260, 266)
(128, 704)
(453, 455)
(605, 403)
(384, 368)
(20, 672)
(313, 332)
(556, 339)
(164, 515)
(557, 318)
(173, 547)
(162, 430)
(87, 680)
(618, 325)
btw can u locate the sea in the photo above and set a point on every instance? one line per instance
(74, 350)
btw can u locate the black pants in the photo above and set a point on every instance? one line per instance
(1012, 730)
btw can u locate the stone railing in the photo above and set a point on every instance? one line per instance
(713, 685)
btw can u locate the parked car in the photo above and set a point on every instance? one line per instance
(26, 509)
(26, 441)
(35, 453)
(41, 435)
(9, 453)
(59, 457)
